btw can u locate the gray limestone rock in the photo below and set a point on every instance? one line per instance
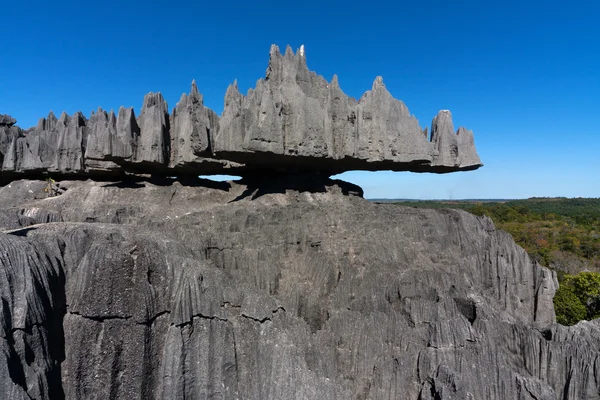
(70, 145)
(53, 146)
(35, 150)
(7, 120)
(102, 129)
(110, 141)
(291, 289)
(153, 143)
(192, 128)
(295, 120)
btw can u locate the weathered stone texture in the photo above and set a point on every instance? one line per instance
(294, 121)
(271, 290)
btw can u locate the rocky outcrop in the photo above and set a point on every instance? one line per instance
(7, 120)
(53, 146)
(294, 121)
(298, 288)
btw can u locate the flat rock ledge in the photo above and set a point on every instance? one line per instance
(294, 121)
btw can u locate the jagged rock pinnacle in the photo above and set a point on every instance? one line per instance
(294, 121)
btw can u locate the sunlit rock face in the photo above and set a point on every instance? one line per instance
(294, 121)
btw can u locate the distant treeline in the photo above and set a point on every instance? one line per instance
(554, 231)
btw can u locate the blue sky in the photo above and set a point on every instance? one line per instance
(523, 75)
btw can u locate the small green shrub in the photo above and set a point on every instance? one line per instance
(577, 298)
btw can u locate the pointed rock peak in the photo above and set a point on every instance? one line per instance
(148, 98)
(63, 117)
(461, 130)
(232, 95)
(334, 81)
(378, 83)
(288, 51)
(41, 125)
(153, 99)
(182, 99)
(301, 57)
(441, 125)
(126, 112)
(52, 117)
(274, 50)
(194, 93)
(444, 118)
(232, 91)
(80, 118)
(93, 113)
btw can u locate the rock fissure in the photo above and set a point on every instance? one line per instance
(100, 318)
(200, 316)
(264, 319)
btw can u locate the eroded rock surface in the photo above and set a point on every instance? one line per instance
(299, 289)
(294, 121)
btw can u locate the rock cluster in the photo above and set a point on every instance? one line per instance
(288, 290)
(296, 120)
(292, 122)
(7, 120)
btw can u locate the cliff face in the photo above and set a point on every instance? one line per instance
(295, 289)
(294, 121)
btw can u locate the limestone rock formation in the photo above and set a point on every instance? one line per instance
(7, 120)
(294, 121)
(54, 145)
(287, 289)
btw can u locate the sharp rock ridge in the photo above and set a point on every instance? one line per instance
(293, 121)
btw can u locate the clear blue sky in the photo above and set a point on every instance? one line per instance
(523, 75)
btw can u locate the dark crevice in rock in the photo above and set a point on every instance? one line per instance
(201, 316)
(151, 320)
(265, 319)
(100, 318)
(21, 231)
(547, 334)
(467, 308)
(565, 394)
(15, 366)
